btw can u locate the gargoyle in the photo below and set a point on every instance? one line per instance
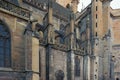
(40, 27)
(60, 33)
(28, 28)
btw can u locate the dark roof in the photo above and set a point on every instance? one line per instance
(58, 10)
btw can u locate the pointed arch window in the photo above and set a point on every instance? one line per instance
(5, 46)
(63, 29)
(77, 66)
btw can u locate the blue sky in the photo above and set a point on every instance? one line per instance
(115, 4)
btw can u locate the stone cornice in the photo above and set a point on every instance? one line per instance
(14, 10)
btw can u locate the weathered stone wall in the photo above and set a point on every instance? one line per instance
(35, 59)
(81, 66)
(116, 31)
(59, 62)
(63, 3)
(116, 58)
(31, 57)
(42, 52)
(116, 42)
(16, 27)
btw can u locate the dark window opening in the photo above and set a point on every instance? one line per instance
(96, 34)
(96, 70)
(5, 46)
(96, 44)
(95, 76)
(95, 62)
(96, 16)
(117, 79)
(96, 24)
(96, 8)
(68, 6)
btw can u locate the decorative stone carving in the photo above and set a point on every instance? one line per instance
(17, 10)
(36, 4)
(40, 27)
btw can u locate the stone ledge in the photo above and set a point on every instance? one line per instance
(14, 10)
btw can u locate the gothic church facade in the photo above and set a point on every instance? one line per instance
(51, 40)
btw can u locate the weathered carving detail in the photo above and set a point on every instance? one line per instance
(108, 34)
(29, 26)
(14, 9)
(35, 33)
(36, 4)
(60, 33)
(40, 27)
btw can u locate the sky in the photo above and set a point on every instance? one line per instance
(115, 4)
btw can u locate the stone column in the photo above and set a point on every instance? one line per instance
(50, 23)
(96, 59)
(42, 62)
(107, 58)
(28, 55)
(107, 39)
(88, 46)
(81, 69)
(92, 68)
(35, 59)
(112, 67)
(89, 71)
(72, 46)
(97, 28)
(50, 75)
(72, 65)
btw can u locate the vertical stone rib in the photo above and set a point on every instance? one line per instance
(107, 39)
(49, 55)
(72, 45)
(50, 22)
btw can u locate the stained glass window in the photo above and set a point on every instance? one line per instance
(5, 53)
(77, 66)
